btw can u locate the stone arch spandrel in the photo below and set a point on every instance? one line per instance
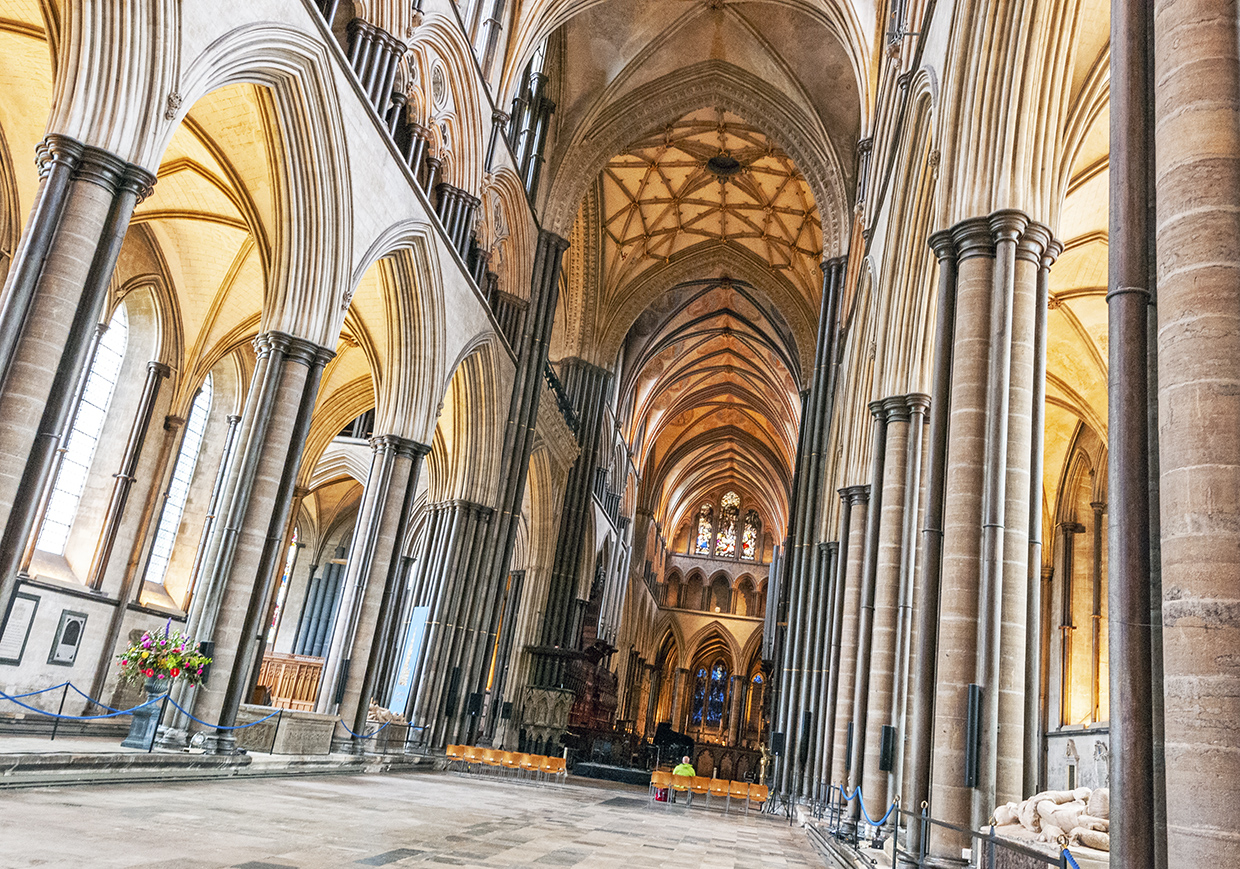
(465, 451)
(314, 223)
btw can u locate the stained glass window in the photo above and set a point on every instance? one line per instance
(730, 509)
(706, 529)
(699, 696)
(88, 419)
(718, 695)
(749, 540)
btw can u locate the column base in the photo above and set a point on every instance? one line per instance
(221, 743)
(945, 862)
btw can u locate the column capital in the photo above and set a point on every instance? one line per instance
(1033, 242)
(1098, 506)
(400, 445)
(973, 237)
(172, 423)
(295, 349)
(898, 408)
(159, 369)
(878, 408)
(233, 418)
(918, 402)
(499, 118)
(1008, 224)
(859, 494)
(57, 150)
(943, 244)
(831, 546)
(1050, 253)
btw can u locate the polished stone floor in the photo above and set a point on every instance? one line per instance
(394, 820)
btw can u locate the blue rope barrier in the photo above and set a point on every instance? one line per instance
(40, 691)
(368, 736)
(1068, 856)
(143, 705)
(190, 715)
(857, 794)
(90, 699)
(113, 713)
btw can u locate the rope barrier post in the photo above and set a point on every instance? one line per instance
(990, 855)
(925, 833)
(155, 730)
(61, 711)
(276, 732)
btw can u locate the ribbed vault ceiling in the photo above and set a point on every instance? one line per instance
(708, 177)
(709, 377)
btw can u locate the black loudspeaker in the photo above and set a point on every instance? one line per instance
(777, 744)
(454, 692)
(505, 711)
(807, 725)
(207, 648)
(887, 749)
(973, 736)
(848, 749)
(474, 705)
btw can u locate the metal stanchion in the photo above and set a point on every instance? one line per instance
(59, 712)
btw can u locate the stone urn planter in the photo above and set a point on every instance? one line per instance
(145, 721)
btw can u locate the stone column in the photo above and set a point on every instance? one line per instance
(54, 295)
(852, 554)
(921, 729)
(830, 663)
(737, 693)
(374, 631)
(879, 677)
(1197, 133)
(678, 699)
(589, 388)
(652, 698)
(868, 588)
(244, 552)
(951, 797)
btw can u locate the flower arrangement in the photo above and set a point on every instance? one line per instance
(169, 655)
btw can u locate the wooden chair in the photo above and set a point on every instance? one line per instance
(455, 754)
(737, 790)
(492, 757)
(659, 780)
(757, 794)
(718, 788)
(681, 783)
(553, 766)
(530, 763)
(472, 757)
(699, 787)
(559, 766)
(511, 760)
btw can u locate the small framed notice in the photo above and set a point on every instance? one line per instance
(17, 628)
(68, 638)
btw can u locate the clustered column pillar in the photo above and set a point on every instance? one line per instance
(983, 575)
(53, 299)
(798, 715)
(852, 554)
(247, 538)
(588, 386)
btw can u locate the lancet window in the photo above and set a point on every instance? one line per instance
(730, 509)
(178, 489)
(92, 410)
(705, 529)
(749, 540)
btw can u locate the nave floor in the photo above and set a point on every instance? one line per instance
(395, 820)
